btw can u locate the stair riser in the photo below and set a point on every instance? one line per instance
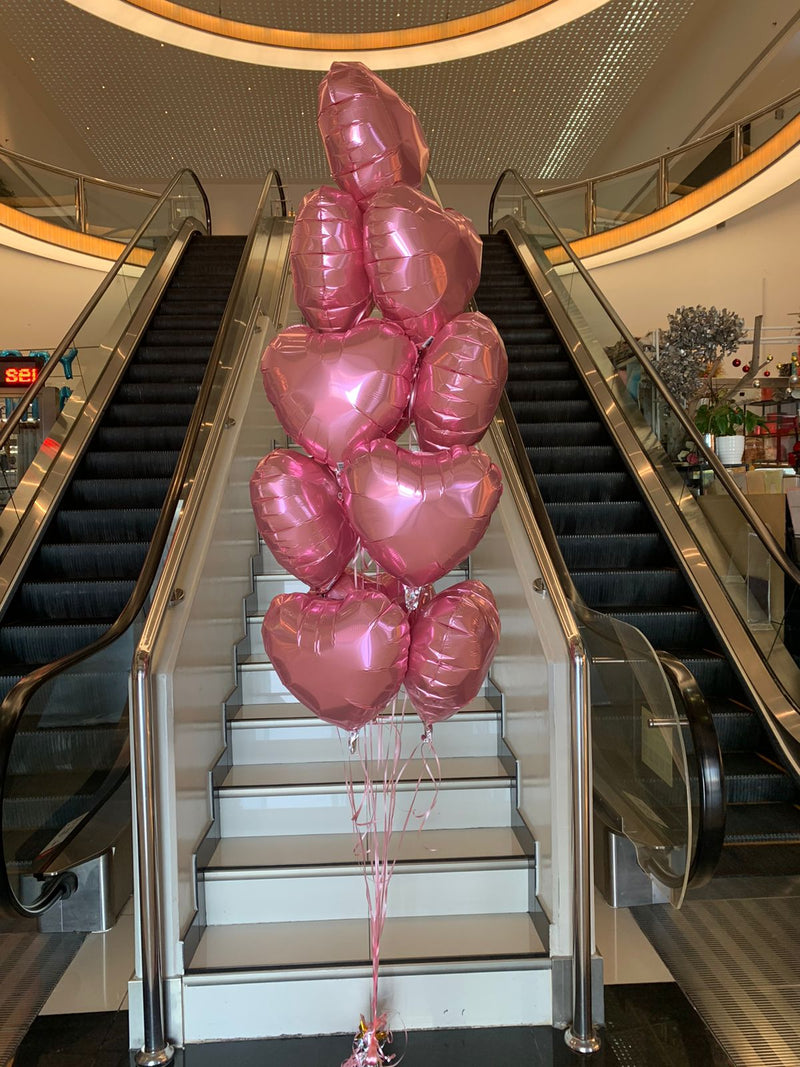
(317, 896)
(320, 742)
(329, 812)
(241, 1009)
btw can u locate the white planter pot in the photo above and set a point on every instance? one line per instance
(730, 449)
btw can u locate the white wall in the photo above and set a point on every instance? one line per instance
(40, 298)
(749, 266)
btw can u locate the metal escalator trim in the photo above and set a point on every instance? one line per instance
(778, 708)
(46, 492)
(236, 334)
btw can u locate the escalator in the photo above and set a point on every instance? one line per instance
(83, 572)
(621, 564)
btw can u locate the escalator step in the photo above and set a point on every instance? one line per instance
(605, 590)
(544, 391)
(184, 320)
(123, 463)
(549, 367)
(44, 642)
(77, 748)
(48, 799)
(520, 335)
(120, 414)
(123, 492)
(762, 822)
(586, 435)
(167, 372)
(574, 459)
(179, 338)
(153, 353)
(56, 560)
(672, 629)
(712, 672)
(168, 393)
(512, 318)
(615, 550)
(574, 488)
(606, 517)
(78, 599)
(111, 525)
(529, 409)
(749, 778)
(82, 695)
(737, 727)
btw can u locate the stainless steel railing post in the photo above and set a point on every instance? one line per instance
(156, 1049)
(581, 1036)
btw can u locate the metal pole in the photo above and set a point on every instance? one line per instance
(581, 1035)
(156, 1049)
(663, 183)
(590, 210)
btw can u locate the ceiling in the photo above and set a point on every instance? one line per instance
(545, 106)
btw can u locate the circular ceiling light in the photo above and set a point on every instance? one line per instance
(484, 31)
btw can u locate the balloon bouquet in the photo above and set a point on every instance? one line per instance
(367, 524)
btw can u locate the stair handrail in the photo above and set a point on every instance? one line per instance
(661, 161)
(27, 398)
(581, 1035)
(13, 706)
(743, 504)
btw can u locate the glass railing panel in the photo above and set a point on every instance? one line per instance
(567, 208)
(625, 197)
(760, 129)
(114, 213)
(640, 765)
(62, 398)
(37, 191)
(692, 167)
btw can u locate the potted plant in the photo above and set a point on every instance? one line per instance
(729, 423)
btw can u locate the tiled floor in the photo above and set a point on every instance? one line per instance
(649, 1021)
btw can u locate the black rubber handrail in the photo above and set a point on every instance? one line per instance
(13, 707)
(691, 702)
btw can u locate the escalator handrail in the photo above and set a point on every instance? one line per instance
(683, 683)
(30, 395)
(711, 800)
(765, 535)
(77, 175)
(13, 706)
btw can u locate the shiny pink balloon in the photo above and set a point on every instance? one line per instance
(453, 641)
(342, 659)
(419, 513)
(423, 263)
(372, 139)
(391, 587)
(327, 260)
(333, 391)
(459, 382)
(301, 518)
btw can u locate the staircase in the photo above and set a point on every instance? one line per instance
(621, 564)
(282, 939)
(84, 571)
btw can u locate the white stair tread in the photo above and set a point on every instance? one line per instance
(320, 850)
(296, 775)
(266, 946)
(247, 714)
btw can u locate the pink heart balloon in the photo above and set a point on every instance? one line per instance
(372, 138)
(419, 513)
(342, 659)
(301, 518)
(423, 263)
(453, 642)
(460, 379)
(327, 259)
(333, 391)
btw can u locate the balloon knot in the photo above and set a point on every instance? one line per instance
(352, 742)
(369, 1044)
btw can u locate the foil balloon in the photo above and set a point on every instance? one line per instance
(372, 139)
(333, 391)
(343, 659)
(391, 587)
(423, 263)
(453, 641)
(300, 516)
(419, 513)
(460, 379)
(327, 260)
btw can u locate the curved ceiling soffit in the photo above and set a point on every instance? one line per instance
(768, 170)
(485, 31)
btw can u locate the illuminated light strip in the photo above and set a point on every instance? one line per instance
(769, 169)
(485, 31)
(28, 234)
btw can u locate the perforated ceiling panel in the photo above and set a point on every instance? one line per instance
(542, 106)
